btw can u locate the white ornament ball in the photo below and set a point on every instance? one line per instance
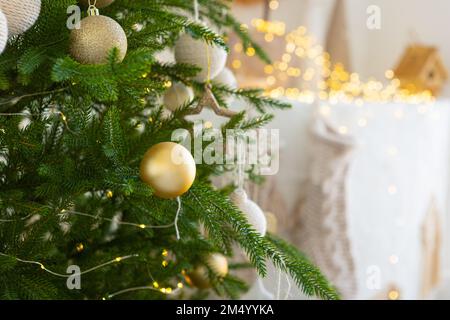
(3, 31)
(196, 52)
(177, 95)
(21, 14)
(165, 56)
(252, 211)
(227, 78)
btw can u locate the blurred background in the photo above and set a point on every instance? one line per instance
(364, 174)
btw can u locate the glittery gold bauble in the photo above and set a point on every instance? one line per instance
(199, 277)
(98, 4)
(169, 169)
(92, 43)
(218, 264)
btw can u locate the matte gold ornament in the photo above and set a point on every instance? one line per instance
(169, 169)
(98, 3)
(199, 278)
(96, 37)
(21, 14)
(272, 222)
(218, 264)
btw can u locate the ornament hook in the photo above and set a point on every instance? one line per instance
(92, 9)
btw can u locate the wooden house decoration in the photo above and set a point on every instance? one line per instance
(420, 69)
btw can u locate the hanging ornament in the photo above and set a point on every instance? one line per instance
(272, 222)
(209, 100)
(98, 3)
(210, 58)
(226, 78)
(177, 95)
(251, 210)
(169, 169)
(199, 278)
(21, 14)
(218, 264)
(96, 37)
(3, 31)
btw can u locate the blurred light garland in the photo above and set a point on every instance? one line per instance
(324, 80)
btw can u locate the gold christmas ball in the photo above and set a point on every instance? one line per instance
(218, 264)
(98, 4)
(272, 222)
(169, 169)
(93, 41)
(199, 278)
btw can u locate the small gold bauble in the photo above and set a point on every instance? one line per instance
(93, 41)
(169, 169)
(218, 264)
(272, 222)
(199, 277)
(98, 4)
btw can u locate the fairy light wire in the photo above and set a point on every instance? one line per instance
(40, 264)
(29, 95)
(162, 290)
(137, 225)
(52, 112)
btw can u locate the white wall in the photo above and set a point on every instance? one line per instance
(374, 51)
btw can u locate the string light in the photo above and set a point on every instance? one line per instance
(393, 295)
(393, 259)
(154, 286)
(392, 189)
(137, 225)
(16, 100)
(339, 84)
(52, 111)
(41, 265)
(168, 291)
(79, 247)
(274, 4)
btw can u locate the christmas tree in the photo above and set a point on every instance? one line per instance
(81, 105)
